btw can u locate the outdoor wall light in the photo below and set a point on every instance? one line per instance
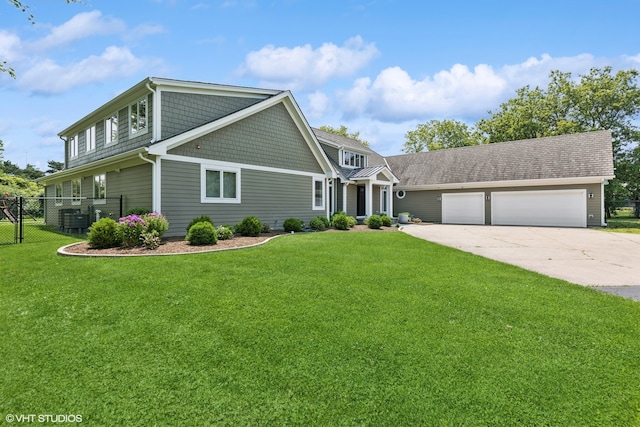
(439, 198)
(591, 195)
(197, 146)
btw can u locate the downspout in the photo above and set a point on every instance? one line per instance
(154, 182)
(156, 194)
(603, 212)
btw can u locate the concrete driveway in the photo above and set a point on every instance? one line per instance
(604, 260)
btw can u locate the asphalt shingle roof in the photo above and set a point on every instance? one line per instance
(566, 156)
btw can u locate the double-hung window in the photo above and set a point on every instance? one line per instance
(138, 116)
(100, 188)
(318, 194)
(76, 191)
(111, 129)
(220, 185)
(90, 138)
(59, 194)
(73, 146)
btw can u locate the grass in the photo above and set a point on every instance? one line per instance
(312, 329)
(624, 222)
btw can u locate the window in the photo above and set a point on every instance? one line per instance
(76, 191)
(354, 159)
(90, 138)
(138, 116)
(59, 194)
(111, 129)
(73, 146)
(100, 188)
(220, 185)
(318, 194)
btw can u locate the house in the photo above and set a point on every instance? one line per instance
(553, 181)
(189, 148)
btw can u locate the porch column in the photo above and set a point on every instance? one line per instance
(390, 200)
(368, 199)
(344, 196)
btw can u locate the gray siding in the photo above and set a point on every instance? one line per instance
(352, 200)
(124, 143)
(134, 184)
(426, 206)
(184, 111)
(331, 152)
(272, 197)
(269, 138)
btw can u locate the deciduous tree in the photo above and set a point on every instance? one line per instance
(343, 131)
(438, 134)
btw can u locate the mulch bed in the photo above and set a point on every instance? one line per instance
(177, 245)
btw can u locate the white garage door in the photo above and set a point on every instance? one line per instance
(556, 208)
(463, 208)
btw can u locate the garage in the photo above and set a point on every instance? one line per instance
(554, 208)
(463, 208)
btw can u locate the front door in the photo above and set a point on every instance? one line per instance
(360, 206)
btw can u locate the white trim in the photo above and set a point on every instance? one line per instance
(96, 199)
(313, 194)
(204, 168)
(76, 200)
(90, 136)
(384, 197)
(603, 214)
(144, 130)
(404, 194)
(106, 128)
(512, 183)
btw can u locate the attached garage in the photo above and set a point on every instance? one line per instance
(463, 208)
(554, 208)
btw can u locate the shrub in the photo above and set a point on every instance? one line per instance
(156, 222)
(137, 211)
(374, 222)
(104, 234)
(386, 220)
(352, 221)
(130, 228)
(319, 223)
(150, 239)
(250, 226)
(292, 224)
(202, 218)
(224, 233)
(340, 221)
(265, 227)
(202, 233)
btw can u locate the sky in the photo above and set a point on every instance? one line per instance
(379, 67)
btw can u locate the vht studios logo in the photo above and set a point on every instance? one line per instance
(43, 418)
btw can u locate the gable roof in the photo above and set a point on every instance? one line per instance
(587, 156)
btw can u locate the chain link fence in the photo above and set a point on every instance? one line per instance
(33, 219)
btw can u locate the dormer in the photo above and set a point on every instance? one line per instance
(350, 158)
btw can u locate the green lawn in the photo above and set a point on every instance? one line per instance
(347, 328)
(624, 222)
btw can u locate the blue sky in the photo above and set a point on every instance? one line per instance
(379, 67)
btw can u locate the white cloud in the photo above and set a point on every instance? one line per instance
(50, 77)
(460, 92)
(319, 105)
(304, 66)
(82, 25)
(9, 46)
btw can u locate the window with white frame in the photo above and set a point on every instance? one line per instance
(73, 146)
(138, 116)
(100, 188)
(111, 129)
(318, 194)
(76, 191)
(59, 194)
(90, 138)
(352, 159)
(220, 185)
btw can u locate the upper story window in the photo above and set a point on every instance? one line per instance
(90, 138)
(138, 114)
(73, 146)
(352, 159)
(111, 129)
